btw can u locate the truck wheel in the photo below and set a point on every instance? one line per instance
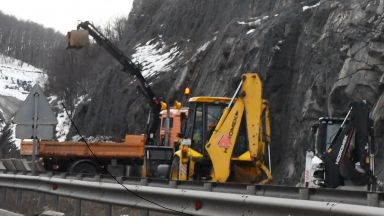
(174, 171)
(84, 168)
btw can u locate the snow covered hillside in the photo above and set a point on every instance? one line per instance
(155, 57)
(16, 79)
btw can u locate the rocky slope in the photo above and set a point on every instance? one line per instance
(314, 58)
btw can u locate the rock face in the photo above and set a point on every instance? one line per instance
(314, 57)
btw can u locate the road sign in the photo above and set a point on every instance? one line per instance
(35, 113)
(35, 120)
(43, 131)
(27, 111)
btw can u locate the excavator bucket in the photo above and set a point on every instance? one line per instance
(77, 39)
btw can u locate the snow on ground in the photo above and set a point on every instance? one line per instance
(310, 7)
(63, 121)
(16, 80)
(155, 57)
(250, 31)
(204, 47)
(17, 77)
(252, 23)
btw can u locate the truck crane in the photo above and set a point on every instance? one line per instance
(226, 139)
(135, 150)
(344, 149)
(77, 39)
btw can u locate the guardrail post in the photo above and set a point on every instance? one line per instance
(18, 198)
(172, 184)
(2, 194)
(373, 199)
(108, 209)
(77, 207)
(207, 186)
(144, 181)
(56, 202)
(251, 189)
(304, 193)
(97, 178)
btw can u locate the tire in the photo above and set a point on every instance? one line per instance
(174, 171)
(84, 168)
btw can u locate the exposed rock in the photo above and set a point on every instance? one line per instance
(313, 60)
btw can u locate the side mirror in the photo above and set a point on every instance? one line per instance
(77, 39)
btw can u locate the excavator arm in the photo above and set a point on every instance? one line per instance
(129, 67)
(248, 107)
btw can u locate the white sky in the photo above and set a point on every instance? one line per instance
(63, 15)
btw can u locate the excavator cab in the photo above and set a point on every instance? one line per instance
(325, 132)
(205, 113)
(203, 116)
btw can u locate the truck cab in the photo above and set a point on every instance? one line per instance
(169, 131)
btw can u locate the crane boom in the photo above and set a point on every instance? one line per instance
(129, 67)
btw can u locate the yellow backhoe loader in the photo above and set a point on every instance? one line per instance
(226, 139)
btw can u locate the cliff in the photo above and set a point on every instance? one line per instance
(314, 57)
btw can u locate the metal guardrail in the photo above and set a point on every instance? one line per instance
(202, 198)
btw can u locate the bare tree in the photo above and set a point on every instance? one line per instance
(8, 148)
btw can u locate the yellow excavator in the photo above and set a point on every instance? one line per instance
(226, 139)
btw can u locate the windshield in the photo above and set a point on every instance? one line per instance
(202, 123)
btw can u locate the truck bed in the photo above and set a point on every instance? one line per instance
(132, 147)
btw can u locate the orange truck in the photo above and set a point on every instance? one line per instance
(131, 157)
(76, 157)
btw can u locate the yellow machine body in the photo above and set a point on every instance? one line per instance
(247, 114)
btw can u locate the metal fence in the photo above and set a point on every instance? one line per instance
(199, 198)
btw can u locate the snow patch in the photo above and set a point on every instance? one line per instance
(63, 120)
(17, 77)
(155, 57)
(251, 31)
(251, 23)
(92, 139)
(204, 47)
(310, 7)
